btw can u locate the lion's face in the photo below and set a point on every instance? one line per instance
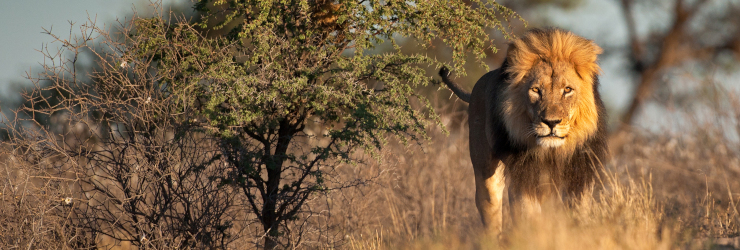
(550, 100)
(553, 91)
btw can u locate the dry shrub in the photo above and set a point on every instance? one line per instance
(110, 155)
(36, 204)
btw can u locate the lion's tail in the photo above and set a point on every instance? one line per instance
(462, 94)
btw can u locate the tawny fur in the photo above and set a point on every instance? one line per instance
(552, 46)
(537, 124)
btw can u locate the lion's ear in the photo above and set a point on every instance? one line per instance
(523, 53)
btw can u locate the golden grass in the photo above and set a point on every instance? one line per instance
(425, 201)
(658, 191)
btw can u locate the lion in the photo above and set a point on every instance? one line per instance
(537, 125)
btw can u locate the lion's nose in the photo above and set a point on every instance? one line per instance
(551, 123)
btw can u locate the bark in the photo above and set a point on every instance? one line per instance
(270, 217)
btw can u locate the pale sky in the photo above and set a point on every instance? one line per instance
(23, 23)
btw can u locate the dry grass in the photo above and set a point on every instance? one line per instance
(658, 191)
(425, 201)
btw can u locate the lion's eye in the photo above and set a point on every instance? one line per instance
(568, 90)
(535, 90)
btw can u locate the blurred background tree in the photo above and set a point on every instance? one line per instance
(698, 36)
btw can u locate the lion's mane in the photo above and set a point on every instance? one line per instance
(573, 165)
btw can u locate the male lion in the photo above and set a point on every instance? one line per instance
(537, 124)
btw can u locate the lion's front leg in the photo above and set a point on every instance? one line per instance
(523, 206)
(489, 187)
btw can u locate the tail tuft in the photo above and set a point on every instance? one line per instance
(444, 72)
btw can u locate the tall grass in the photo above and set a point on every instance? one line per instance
(659, 190)
(425, 201)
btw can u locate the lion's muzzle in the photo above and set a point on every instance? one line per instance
(551, 132)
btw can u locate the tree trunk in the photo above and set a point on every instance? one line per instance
(641, 93)
(271, 240)
(669, 54)
(270, 218)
